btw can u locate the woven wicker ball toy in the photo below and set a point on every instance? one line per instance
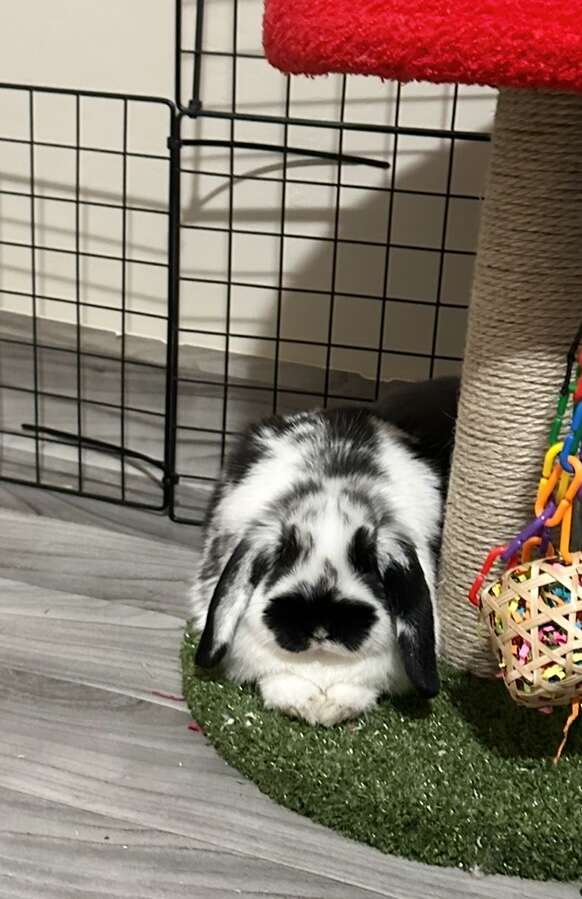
(534, 614)
(533, 611)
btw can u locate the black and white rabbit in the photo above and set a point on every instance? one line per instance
(317, 579)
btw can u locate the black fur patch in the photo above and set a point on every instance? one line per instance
(287, 555)
(358, 497)
(208, 655)
(277, 425)
(353, 443)
(252, 446)
(246, 453)
(260, 568)
(300, 491)
(408, 599)
(302, 619)
(362, 552)
(362, 556)
(426, 412)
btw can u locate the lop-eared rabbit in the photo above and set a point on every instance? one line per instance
(317, 580)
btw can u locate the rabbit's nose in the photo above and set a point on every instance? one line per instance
(320, 634)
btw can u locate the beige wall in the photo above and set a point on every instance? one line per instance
(127, 46)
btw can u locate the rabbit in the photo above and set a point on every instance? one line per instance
(317, 578)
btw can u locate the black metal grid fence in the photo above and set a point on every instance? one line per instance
(284, 247)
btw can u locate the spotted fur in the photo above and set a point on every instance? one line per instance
(317, 580)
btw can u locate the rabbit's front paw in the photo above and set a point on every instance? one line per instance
(290, 694)
(343, 702)
(300, 698)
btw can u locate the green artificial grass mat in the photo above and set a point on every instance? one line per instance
(466, 781)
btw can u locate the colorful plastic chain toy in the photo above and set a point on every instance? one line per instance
(534, 610)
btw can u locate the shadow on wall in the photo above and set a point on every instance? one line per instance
(346, 333)
(427, 289)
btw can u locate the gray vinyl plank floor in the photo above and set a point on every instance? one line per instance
(80, 510)
(104, 791)
(93, 561)
(114, 858)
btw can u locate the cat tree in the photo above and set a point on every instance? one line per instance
(525, 305)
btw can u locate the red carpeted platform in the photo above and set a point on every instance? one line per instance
(511, 43)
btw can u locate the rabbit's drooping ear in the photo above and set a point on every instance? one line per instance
(408, 600)
(228, 603)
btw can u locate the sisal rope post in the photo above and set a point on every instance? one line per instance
(526, 305)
